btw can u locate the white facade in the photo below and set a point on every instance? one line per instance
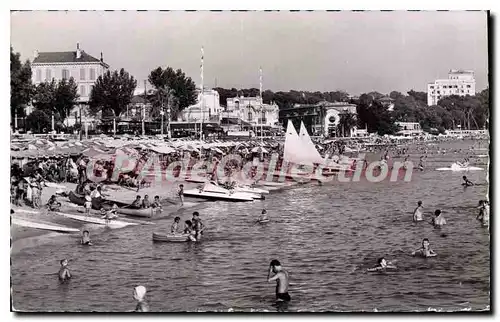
(252, 110)
(409, 128)
(459, 82)
(208, 109)
(84, 69)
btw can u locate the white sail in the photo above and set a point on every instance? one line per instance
(309, 146)
(298, 152)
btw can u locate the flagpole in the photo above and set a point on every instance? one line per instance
(260, 91)
(202, 97)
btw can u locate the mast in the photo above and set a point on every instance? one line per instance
(261, 107)
(202, 97)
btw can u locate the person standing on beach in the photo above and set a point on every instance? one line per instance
(282, 278)
(180, 193)
(140, 297)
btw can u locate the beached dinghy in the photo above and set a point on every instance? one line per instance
(96, 204)
(213, 192)
(172, 238)
(147, 212)
(43, 226)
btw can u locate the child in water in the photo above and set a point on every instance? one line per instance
(64, 274)
(263, 216)
(425, 251)
(438, 221)
(175, 226)
(140, 297)
(86, 238)
(484, 213)
(53, 204)
(189, 229)
(382, 264)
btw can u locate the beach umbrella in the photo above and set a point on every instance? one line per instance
(92, 151)
(259, 149)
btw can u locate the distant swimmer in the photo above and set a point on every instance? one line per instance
(425, 251)
(263, 216)
(418, 213)
(382, 265)
(64, 274)
(281, 277)
(484, 213)
(140, 297)
(438, 221)
(467, 182)
(86, 238)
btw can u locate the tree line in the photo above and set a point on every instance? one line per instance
(174, 91)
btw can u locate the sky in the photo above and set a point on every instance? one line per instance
(357, 52)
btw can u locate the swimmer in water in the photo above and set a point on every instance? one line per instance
(382, 264)
(484, 213)
(86, 238)
(425, 251)
(64, 274)
(467, 182)
(421, 163)
(438, 221)
(140, 297)
(418, 212)
(281, 277)
(263, 216)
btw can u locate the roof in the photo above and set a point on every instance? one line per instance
(138, 100)
(64, 57)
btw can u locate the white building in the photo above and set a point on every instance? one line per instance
(209, 109)
(84, 68)
(409, 128)
(252, 110)
(459, 82)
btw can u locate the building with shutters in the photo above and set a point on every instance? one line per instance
(84, 68)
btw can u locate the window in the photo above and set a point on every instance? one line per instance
(91, 88)
(48, 75)
(431, 87)
(38, 75)
(468, 86)
(249, 116)
(439, 92)
(82, 74)
(82, 90)
(65, 74)
(92, 74)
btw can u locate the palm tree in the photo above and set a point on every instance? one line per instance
(346, 122)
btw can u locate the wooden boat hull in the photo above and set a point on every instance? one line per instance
(97, 204)
(148, 212)
(171, 238)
